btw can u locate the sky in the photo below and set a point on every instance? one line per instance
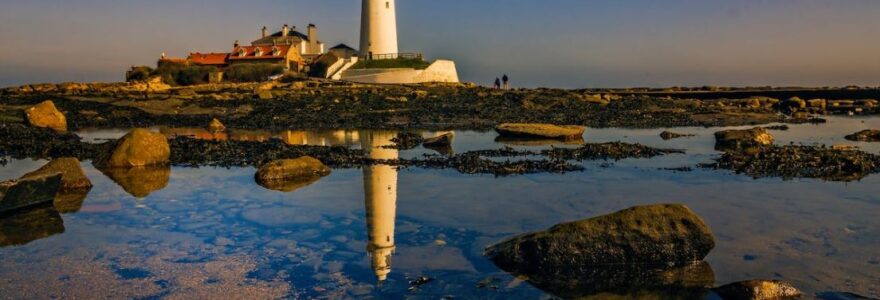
(538, 43)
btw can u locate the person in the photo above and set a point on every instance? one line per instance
(497, 83)
(506, 82)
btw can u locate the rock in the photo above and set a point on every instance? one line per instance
(741, 139)
(668, 135)
(139, 182)
(818, 103)
(655, 235)
(139, 148)
(758, 290)
(186, 93)
(265, 95)
(540, 131)
(216, 126)
(72, 176)
(869, 135)
(25, 192)
(441, 141)
(156, 84)
(794, 104)
(24, 226)
(45, 115)
(291, 174)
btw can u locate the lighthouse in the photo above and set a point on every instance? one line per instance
(378, 29)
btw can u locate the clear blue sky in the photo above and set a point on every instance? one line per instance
(557, 43)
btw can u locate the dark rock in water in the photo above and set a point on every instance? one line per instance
(72, 175)
(690, 281)
(18, 194)
(606, 151)
(139, 182)
(842, 296)
(406, 141)
(870, 135)
(758, 290)
(441, 141)
(27, 225)
(668, 135)
(291, 174)
(523, 130)
(742, 139)
(139, 148)
(800, 162)
(653, 235)
(777, 127)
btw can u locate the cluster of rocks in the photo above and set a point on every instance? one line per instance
(652, 251)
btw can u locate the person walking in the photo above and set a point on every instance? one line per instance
(506, 82)
(497, 83)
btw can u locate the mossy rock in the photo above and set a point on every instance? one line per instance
(139, 148)
(72, 175)
(523, 130)
(291, 174)
(742, 139)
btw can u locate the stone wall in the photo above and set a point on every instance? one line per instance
(439, 71)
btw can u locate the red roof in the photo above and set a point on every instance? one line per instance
(249, 52)
(209, 58)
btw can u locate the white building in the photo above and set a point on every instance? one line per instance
(379, 29)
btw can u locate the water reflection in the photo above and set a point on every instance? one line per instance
(514, 141)
(290, 137)
(139, 182)
(70, 201)
(25, 226)
(380, 199)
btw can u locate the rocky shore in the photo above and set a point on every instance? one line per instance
(324, 104)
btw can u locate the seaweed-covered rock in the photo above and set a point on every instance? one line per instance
(523, 130)
(741, 139)
(869, 135)
(606, 151)
(45, 115)
(31, 191)
(652, 235)
(72, 175)
(758, 290)
(139, 148)
(800, 162)
(291, 174)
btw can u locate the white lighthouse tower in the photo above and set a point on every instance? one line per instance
(378, 29)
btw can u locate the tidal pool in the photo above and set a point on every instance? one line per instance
(184, 233)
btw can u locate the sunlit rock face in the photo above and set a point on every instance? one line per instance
(45, 115)
(758, 290)
(27, 225)
(380, 190)
(139, 182)
(72, 175)
(139, 148)
(541, 131)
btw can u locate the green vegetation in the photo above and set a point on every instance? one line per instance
(172, 73)
(414, 63)
(138, 73)
(251, 72)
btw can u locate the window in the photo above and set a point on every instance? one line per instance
(258, 52)
(387, 4)
(241, 52)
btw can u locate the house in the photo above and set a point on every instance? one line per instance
(209, 59)
(308, 46)
(285, 55)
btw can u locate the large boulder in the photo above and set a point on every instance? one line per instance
(521, 130)
(139, 148)
(661, 235)
(742, 139)
(758, 290)
(72, 176)
(25, 192)
(287, 175)
(216, 126)
(869, 135)
(440, 141)
(46, 115)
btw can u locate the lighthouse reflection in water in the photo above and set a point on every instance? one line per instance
(380, 199)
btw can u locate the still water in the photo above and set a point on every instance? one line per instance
(187, 233)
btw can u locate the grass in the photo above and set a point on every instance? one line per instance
(414, 63)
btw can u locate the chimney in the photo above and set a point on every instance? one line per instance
(264, 31)
(285, 30)
(236, 43)
(313, 34)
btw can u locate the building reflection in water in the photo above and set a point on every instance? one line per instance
(380, 199)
